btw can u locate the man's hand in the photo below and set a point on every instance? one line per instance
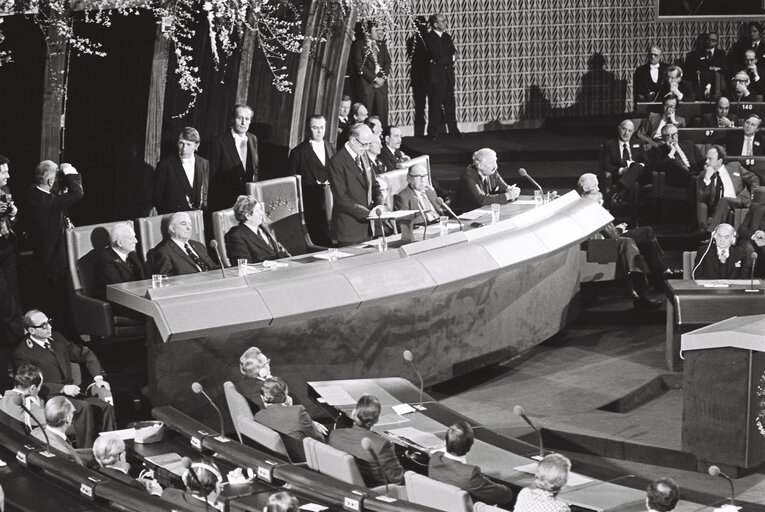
(71, 390)
(378, 210)
(727, 123)
(99, 381)
(621, 227)
(379, 82)
(152, 486)
(512, 193)
(68, 169)
(321, 429)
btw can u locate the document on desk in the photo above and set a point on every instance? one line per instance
(397, 214)
(574, 479)
(124, 434)
(171, 462)
(475, 214)
(331, 255)
(725, 283)
(335, 395)
(417, 437)
(391, 419)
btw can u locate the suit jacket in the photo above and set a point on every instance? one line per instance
(227, 174)
(172, 190)
(611, 157)
(735, 145)
(55, 364)
(251, 389)
(468, 478)
(292, 421)
(363, 66)
(643, 87)
(110, 269)
(119, 476)
(169, 259)
(754, 221)
(60, 445)
(11, 402)
(349, 441)
(685, 88)
(242, 242)
(709, 120)
(649, 126)
(698, 63)
(46, 219)
(441, 52)
(677, 175)
(407, 200)
(303, 161)
(470, 192)
(743, 183)
(737, 266)
(389, 158)
(351, 206)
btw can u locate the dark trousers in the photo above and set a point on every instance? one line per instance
(315, 207)
(441, 96)
(375, 99)
(11, 326)
(419, 98)
(724, 207)
(647, 245)
(91, 416)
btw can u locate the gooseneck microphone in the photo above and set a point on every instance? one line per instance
(186, 463)
(214, 245)
(445, 206)
(47, 451)
(424, 220)
(715, 471)
(752, 289)
(197, 388)
(525, 174)
(519, 411)
(367, 445)
(408, 357)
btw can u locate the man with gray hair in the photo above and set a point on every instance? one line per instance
(179, 254)
(481, 184)
(662, 495)
(119, 262)
(181, 180)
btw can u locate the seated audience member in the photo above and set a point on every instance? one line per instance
(754, 69)
(750, 40)
(179, 254)
(662, 495)
(365, 416)
(391, 151)
(741, 88)
(451, 468)
(751, 232)
(342, 114)
(202, 488)
(358, 114)
(119, 263)
(722, 187)
(675, 85)
(551, 476)
(481, 184)
(622, 160)
(748, 143)
(650, 129)
(255, 369)
(26, 390)
(707, 66)
(282, 501)
(59, 415)
(109, 452)
(53, 355)
(418, 195)
(251, 240)
(681, 161)
(181, 181)
(373, 154)
(647, 78)
(291, 420)
(720, 258)
(375, 125)
(720, 118)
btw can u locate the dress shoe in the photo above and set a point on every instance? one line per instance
(642, 301)
(673, 273)
(456, 133)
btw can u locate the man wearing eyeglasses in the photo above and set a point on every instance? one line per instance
(53, 354)
(419, 195)
(355, 191)
(721, 258)
(648, 78)
(706, 67)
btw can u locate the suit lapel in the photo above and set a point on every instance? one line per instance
(181, 174)
(230, 147)
(258, 240)
(182, 253)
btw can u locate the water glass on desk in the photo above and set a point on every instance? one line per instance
(156, 280)
(494, 213)
(538, 198)
(241, 265)
(443, 225)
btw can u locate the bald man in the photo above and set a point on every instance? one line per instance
(623, 169)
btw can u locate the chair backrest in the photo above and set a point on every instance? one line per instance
(688, 258)
(483, 507)
(222, 221)
(396, 180)
(83, 246)
(263, 435)
(152, 230)
(332, 462)
(309, 446)
(237, 406)
(434, 494)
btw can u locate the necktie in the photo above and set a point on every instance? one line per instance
(719, 190)
(47, 344)
(486, 188)
(724, 256)
(681, 158)
(625, 151)
(201, 265)
(709, 54)
(267, 239)
(747, 147)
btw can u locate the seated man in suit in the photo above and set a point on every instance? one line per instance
(720, 118)
(722, 187)
(373, 154)
(481, 184)
(202, 489)
(662, 495)
(291, 420)
(650, 129)
(748, 143)
(755, 71)
(255, 368)
(59, 415)
(179, 254)
(28, 381)
(378, 469)
(681, 161)
(675, 85)
(451, 468)
(109, 452)
(622, 160)
(741, 89)
(391, 151)
(551, 476)
(419, 196)
(720, 258)
(181, 181)
(751, 232)
(119, 264)
(251, 240)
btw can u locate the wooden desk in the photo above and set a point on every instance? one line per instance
(690, 306)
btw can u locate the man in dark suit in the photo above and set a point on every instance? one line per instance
(721, 187)
(748, 143)
(370, 67)
(181, 181)
(751, 232)
(680, 160)
(251, 240)
(179, 254)
(233, 160)
(342, 115)
(720, 118)
(53, 354)
(417, 55)
(418, 195)
(109, 452)
(707, 68)
(650, 129)
(59, 417)
(119, 263)
(309, 159)
(382, 467)
(752, 40)
(355, 191)
(11, 327)
(443, 55)
(481, 184)
(255, 368)
(721, 258)
(359, 114)
(391, 154)
(742, 91)
(622, 169)
(754, 69)
(451, 468)
(676, 86)
(648, 77)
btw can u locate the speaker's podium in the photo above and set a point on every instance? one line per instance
(724, 393)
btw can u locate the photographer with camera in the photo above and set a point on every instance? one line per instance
(11, 328)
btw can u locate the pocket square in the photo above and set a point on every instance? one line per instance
(636, 145)
(736, 174)
(757, 143)
(737, 264)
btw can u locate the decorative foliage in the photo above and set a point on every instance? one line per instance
(760, 420)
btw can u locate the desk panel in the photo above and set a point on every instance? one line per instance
(400, 278)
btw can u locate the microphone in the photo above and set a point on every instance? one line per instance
(525, 174)
(752, 289)
(519, 411)
(408, 357)
(47, 451)
(367, 445)
(186, 463)
(715, 471)
(443, 205)
(214, 245)
(197, 388)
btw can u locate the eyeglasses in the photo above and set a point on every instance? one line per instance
(363, 144)
(416, 176)
(43, 325)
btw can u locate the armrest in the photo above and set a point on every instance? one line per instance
(92, 316)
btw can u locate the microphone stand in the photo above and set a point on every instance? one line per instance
(47, 452)
(751, 288)
(446, 207)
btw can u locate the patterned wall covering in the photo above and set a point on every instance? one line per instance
(532, 59)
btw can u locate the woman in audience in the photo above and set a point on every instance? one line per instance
(281, 502)
(291, 420)
(551, 477)
(203, 483)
